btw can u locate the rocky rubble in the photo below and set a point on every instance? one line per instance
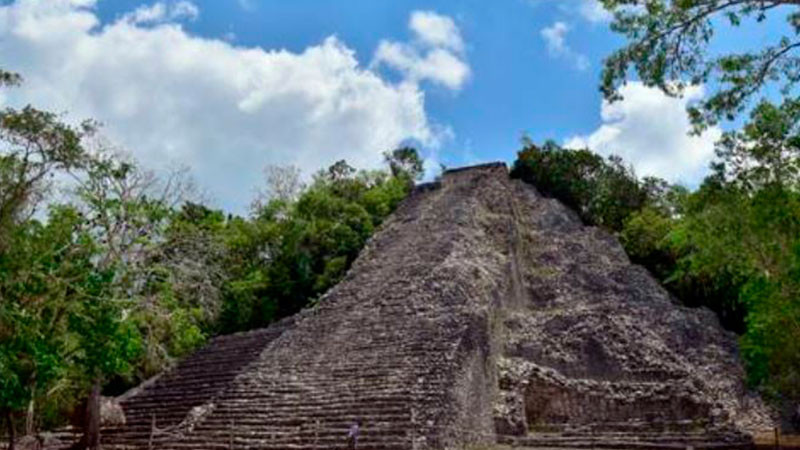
(597, 341)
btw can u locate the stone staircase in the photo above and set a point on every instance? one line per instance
(162, 405)
(480, 313)
(399, 344)
(312, 405)
(650, 435)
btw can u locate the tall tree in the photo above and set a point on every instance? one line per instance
(668, 45)
(44, 276)
(130, 211)
(766, 151)
(36, 260)
(281, 183)
(33, 144)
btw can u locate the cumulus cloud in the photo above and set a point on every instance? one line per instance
(170, 96)
(436, 54)
(437, 65)
(555, 39)
(650, 130)
(436, 30)
(163, 12)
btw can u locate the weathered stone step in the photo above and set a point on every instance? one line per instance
(400, 430)
(330, 398)
(310, 403)
(526, 442)
(184, 401)
(310, 413)
(252, 406)
(644, 435)
(307, 417)
(400, 445)
(654, 437)
(314, 414)
(300, 427)
(266, 416)
(258, 441)
(633, 426)
(144, 431)
(287, 435)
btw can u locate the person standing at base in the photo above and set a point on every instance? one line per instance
(352, 435)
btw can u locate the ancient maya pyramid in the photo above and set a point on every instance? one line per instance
(480, 313)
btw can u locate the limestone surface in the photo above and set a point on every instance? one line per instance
(480, 312)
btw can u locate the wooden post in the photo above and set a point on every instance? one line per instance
(777, 438)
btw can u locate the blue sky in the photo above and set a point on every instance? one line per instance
(227, 87)
(514, 88)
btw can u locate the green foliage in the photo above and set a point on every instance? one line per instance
(740, 248)
(645, 238)
(766, 152)
(292, 251)
(405, 162)
(52, 299)
(668, 45)
(35, 144)
(603, 192)
(771, 345)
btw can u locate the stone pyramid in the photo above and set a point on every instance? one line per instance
(480, 313)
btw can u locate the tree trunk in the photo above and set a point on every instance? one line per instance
(11, 434)
(91, 430)
(29, 419)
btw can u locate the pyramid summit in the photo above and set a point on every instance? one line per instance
(480, 313)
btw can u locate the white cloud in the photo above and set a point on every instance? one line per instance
(185, 9)
(161, 12)
(555, 38)
(437, 65)
(593, 11)
(169, 96)
(436, 30)
(588, 10)
(650, 130)
(435, 55)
